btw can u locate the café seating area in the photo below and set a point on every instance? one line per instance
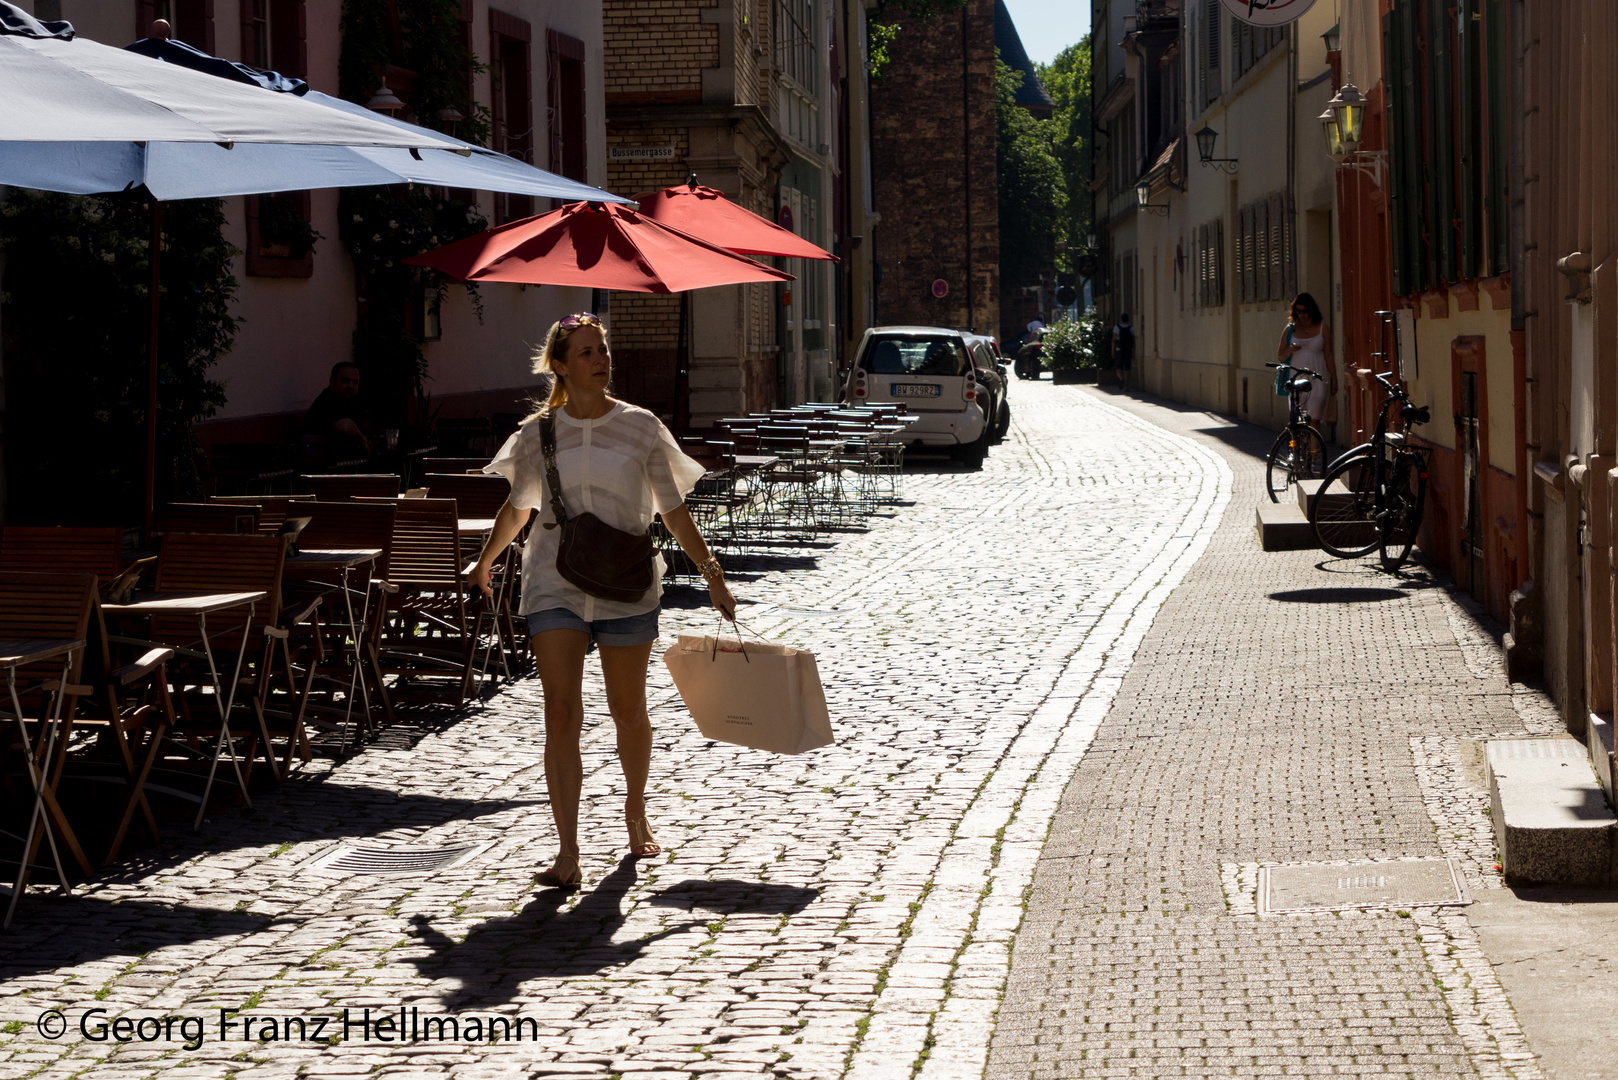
(260, 629)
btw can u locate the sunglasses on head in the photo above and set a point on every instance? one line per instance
(583, 318)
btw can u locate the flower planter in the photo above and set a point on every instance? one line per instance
(1073, 375)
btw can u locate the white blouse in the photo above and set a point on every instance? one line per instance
(623, 467)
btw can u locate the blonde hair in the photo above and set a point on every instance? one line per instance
(545, 359)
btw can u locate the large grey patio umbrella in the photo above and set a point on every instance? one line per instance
(92, 119)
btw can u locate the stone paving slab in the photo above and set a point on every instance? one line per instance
(847, 912)
(1284, 708)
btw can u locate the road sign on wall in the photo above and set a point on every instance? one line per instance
(1267, 12)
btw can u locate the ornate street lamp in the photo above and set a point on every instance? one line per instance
(1205, 148)
(1349, 106)
(1143, 200)
(1334, 141)
(1333, 37)
(384, 100)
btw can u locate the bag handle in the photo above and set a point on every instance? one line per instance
(739, 642)
(740, 626)
(547, 446)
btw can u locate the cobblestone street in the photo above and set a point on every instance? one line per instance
(1055, 779)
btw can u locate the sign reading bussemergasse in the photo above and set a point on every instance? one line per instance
(640, 153)
(1267, 12)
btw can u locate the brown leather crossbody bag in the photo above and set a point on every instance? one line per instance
(603, 561)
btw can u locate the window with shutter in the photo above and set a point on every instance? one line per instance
(1219, 260)
(1211, 87)
(1277, 267)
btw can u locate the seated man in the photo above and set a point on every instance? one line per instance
(334, 426)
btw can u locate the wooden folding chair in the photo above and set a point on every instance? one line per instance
(203, 563)
(131, 703)
(272, 509)
(36, 610)
(453, 464)
(362, 523)
(335, 487)
(428, 635)
(480, 495)
(204, 518)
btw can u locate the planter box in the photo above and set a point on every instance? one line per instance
(1074, 375)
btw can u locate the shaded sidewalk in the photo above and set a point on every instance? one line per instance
(1283, 708)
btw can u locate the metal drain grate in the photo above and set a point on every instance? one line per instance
(1399, 883)
(371, 859)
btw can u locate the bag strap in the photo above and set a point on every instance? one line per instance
(547, 446)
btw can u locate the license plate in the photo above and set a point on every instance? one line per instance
(915, 390)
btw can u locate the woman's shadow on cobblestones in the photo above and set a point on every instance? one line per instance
(545, 939)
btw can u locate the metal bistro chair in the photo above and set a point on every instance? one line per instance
(331, 487)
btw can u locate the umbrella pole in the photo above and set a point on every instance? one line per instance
(151, 372)
(682, 364)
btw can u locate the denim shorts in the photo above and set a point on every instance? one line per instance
(630, 630)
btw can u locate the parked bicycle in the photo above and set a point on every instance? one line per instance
(1373, 496)
(1299, 451)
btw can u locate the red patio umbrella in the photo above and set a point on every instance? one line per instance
(705, 213)
(596, 245)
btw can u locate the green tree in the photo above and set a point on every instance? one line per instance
(1032, 188)
(1067, 81)
(889, 18)
(77, 309)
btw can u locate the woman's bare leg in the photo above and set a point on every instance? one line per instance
(559, 655)
(624, 669)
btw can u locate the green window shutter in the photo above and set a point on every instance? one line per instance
(1440, 143)
(1497, 200)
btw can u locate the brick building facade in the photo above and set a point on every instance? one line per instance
(934, 174)
(739, 93)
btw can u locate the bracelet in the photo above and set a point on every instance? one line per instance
(710, 570)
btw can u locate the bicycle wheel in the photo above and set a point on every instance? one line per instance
(1402, 507)
(1344, 513)
(1299, 453)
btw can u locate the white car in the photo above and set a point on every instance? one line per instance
(929, 369)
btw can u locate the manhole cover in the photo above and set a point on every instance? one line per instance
(1404, 883)
(372, 859)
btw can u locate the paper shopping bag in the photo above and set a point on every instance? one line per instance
(763, 696)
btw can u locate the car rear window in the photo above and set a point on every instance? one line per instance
(916, 356)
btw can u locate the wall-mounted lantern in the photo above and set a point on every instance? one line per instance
(1333, 37)
(1205, 148)
(1143, 199)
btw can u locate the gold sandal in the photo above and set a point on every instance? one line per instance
(641, 840)
(552, 880)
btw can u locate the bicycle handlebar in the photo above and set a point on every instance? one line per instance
(1299, 371)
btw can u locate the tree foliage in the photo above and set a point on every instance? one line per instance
(1032, 192)
(1067, 80)
(77, 322)
(890, 17)
(426, 39)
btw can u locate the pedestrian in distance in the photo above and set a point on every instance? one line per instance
(1036, 325)
(618, 462)
(1306, 345)
(1123, 351)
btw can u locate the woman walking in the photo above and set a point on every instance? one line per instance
(1306, 345)
(620, 463)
